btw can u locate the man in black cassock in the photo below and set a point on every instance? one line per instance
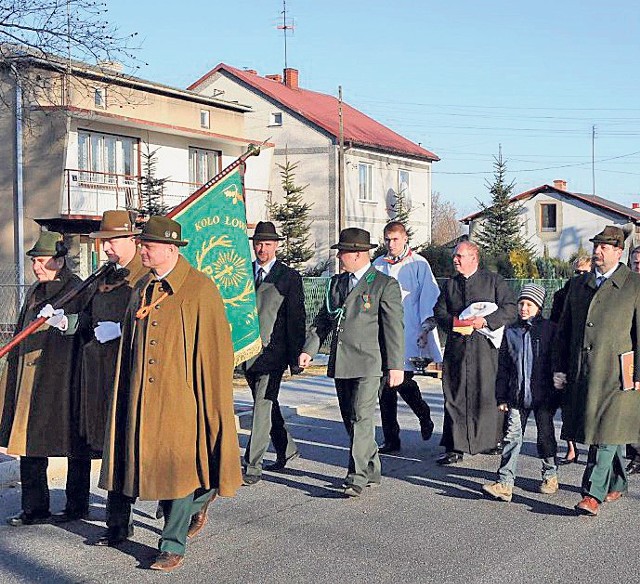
(472, 422)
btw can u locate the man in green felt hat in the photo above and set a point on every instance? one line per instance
(597, 346)
(36, 388)
(171, 432)
(363, 309)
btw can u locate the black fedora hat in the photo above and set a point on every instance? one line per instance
(163, 230)
(266, 231)
(612, 235)
(354, 239)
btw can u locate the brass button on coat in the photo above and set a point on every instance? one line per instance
(154, 323)
(151, 379)
(153, 342)
(152, 361)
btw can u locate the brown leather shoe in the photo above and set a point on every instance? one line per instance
(588, 506)
(167, 562)
(613, 496)
(198, 521)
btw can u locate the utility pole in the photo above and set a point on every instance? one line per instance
(341, 197)
(593, 160)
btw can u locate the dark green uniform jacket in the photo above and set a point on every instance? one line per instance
(596, 326)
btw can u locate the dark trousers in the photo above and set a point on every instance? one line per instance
(357, 400)
(633, 452)
(119, 515)
(267, 422)
(605, 471)
(546, 432)
(410, 393)
(35, 489)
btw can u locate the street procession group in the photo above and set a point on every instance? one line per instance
(138, 368)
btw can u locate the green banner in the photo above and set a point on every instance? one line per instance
(215, 224)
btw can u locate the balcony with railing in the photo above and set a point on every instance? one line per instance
(90, 193)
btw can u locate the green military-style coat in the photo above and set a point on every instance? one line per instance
(36, 390)
(596, 326)
(367, 326)
(171, 427)
(98, 370)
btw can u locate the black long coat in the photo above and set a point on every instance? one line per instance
(37, 389)
(472, 420)
(280, 302)
(98, 369)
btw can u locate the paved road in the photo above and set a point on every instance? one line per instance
(423, 524)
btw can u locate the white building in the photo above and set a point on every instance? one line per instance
(560, 221)
(305, 127)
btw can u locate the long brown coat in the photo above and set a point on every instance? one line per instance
(36, 387)
(171, 428)
(596, 326)
(98, 370)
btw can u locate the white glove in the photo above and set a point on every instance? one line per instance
(55, 318)
(107, 330)
(559, 380)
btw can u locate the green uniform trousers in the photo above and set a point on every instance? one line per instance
(605, 471)
(357, 398)
(177, 517)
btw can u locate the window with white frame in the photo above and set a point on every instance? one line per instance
(275, 119)
(548, 217)
(203, 165)
(105, 157)
(100, 97)
(404, 189)
(365, 181)
(204, 119)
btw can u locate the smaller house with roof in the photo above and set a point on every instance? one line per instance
(304, 125)
(560, 221)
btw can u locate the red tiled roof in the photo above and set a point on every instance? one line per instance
(322, 110)
(594, 200)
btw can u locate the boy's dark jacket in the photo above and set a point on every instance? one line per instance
(508, 388)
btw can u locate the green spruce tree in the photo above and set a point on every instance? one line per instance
(502, 226)
(151, 187)
(292, 215)
(400, 211)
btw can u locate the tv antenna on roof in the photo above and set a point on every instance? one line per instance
(284, 27)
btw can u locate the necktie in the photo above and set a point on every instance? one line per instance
(259, 277)
(352, 282)
(599, 281)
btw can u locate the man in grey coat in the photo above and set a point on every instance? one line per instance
(280, 300)
(363, 309)
(600, 324)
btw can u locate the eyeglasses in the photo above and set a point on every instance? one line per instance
(580, 272)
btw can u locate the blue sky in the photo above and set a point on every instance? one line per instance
(459, 77)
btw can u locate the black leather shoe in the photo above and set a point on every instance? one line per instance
(23, 518)
(426, 428)
(449, 458)
(280, 463)
(114, 538)
(389, 447)
(353, 491)
(250, 480)
(633, 467)
(497, 449)
(67, 516)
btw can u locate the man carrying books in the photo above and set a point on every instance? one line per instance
(599, 325)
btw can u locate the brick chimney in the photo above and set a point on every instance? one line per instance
(276, 77)
(252, 71)
(635, 205)
(291, 78)
(560, 184)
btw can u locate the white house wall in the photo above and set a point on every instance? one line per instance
(577, 222)
(373, 215)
